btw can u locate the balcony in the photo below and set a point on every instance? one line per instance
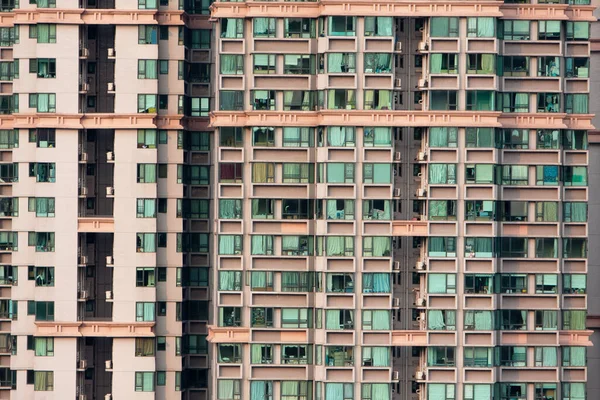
(409, 228)
(95, 329)
(95, 224)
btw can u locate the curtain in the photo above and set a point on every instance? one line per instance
(289, 388)
(438, 173)
(381, 282)
(435, 63)
(522, 102)
(381, 320)
(336, 136)
(335, 245)
(435, 320)
(290, 281)
(436, 391)
(485, 26)
(577, 356)
(381, 246)
(256, 355)
(436, 283)
(290, 243)
(225, 389)
(334, 391)
(228, 209)
(226, 280)
(578, 212)
(332, 319)
(332, 211)
(230, 27)
(483, 320)
(580, 103)
(380, 391)
(261, 26)
(226, 244)
(577, 391)
(261, 243)
(382, 136)
(258, 279)
(381, 356)
(334, 62)
(149, 244)
(40, 380)
(43, 33)
(148, 311)
(482, 392)
(259, 390)
(438, 137)
(549, 320)
(229, 63)
(41, 346)
(487, 63)
(384, 26)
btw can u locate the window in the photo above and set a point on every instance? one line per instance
(263, 172)
(512, 356)
(43, 276)
(376, 320)
(574, 176)
(514, 66)
(43, 102)
(574, 356)
(144, 381)
(303, 64)
(230, 353)
(299, 100)
(545, 357)
(574, 283)
(146, 208)
(263, 64)
(441, 283)
(475, 210)
(478, 357)
(515, 174)
(264, 27)
(546, 211)
(341, 62)
(297, 208)
(299, 28)
(263, 136)
(342, 25)
(298, 137)
(339, 391)
(145, 277)
(546, 175)
(263, 99)
(147, 103)
(548, 139)
(549, 66)
(230, 244)
(444, 27)
(200, 106)
(480, 173)
(146, 173)
(444, 100)
(263, 208)
(44, 33)
(513, 391)
(43, 241)
(339, 136)
(380, 63)
(43, 67)
(442, 247)
(340, 173)
(577, 103)
(232, 64)
(377, 246)
(144, 347)
(147, 69)
(546, 248)
(261, 354)
(146, 138)
(232, 28)
(442, 174)
(480, 100)
(515, 29)
(376, 356)
(513, 247)
(578, 67)
(376, 209)
(574, 248)
(228, 209)
(443, 63)
(573, 391)
(197, 141)
(378, 99)
(441, 391)
(231, 136)
(377, 137)
(295, 390)
(296, 317)
(513, 283)
(549, 30)
(511, 320)
(440, 356)
(378, 26)
(44, 310)
(9, 139)
(145, 311)
(546, 320)
(475, 137)
(578, 30)
(44, 346)
(339, 283)
(483, 27)
(42, 206)
(38, 3)
(261, 281)
(477, 320)
(43, 381)
(339, 246)
(344, 99)
(261, 317)
(230, 280)
(339, 209)
(147, 34)
(377, 173)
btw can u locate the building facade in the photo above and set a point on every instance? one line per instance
(400, 200)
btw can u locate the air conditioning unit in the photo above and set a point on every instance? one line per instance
(398, 46)
(110, 260)
(110, 156)
(422, 217)
(397, 192)
(83, 260)
(420, 302)
(83, 191)
(398, 82)
(421, 156)
(420, 101)
(396, 302)
(108, 365)
(397, 156)
(111, 86)
(83, 294)
(109, 295)
(82, 397)
(420, 375)
(84, 156)
(420, 265)
(85, 52)
(82, 364)
(422, 83)
(421, 192)
(85, 87)
(110, 191)
(423, 46)
(108, 396)
(396, 375)
(111, 52)
(396, 265)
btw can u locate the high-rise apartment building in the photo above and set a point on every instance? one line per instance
(400, 196)
(104, 199)
(389, 201)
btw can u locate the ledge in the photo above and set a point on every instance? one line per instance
(95, 224)
(409, 338)
(91, 121)
(228, 335)
(409, 228)
(75, 16)
(95, 328)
